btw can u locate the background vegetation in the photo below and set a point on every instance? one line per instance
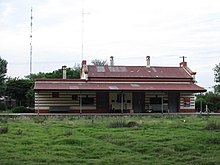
(110, 140)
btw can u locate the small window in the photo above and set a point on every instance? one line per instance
(55, 94)
(88, 101)
(119, 96)
(75, 97)
(155, 100)
(186, 101)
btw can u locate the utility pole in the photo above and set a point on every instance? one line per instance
(31, 43)
(83, 13)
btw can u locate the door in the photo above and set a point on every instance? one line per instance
(102, 102)
(173, 101)
(139, 102)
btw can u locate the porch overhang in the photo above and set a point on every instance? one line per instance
(125, 86)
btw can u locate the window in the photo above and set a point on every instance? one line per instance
(88, 101)
(55, 94)
(186, 102)
(155, 100)
(119, 96)
(75, 97)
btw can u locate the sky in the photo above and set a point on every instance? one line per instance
(129, 30)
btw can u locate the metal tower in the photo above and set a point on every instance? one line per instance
(31, 43)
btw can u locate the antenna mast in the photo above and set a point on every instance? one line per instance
(83, 13)
(183, 57)
(31, 44)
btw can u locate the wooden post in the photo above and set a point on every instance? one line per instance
(200, 105)
(122, 102)
(80, 103)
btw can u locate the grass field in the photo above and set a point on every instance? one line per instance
(110, 140)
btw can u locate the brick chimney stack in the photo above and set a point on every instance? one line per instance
(111, 61)
(84, 71)
(64, 71)
(148, 61)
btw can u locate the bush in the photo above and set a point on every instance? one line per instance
(213, 125)
(22, 109)
(67, 133)
(19, 131)
(122, 123)
(39, 119)
(3, 107)
(118, 124)
(3, 130)
(132, 124)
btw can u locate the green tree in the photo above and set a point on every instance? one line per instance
(72, 73)
(98, 62)
(217, 73)
(17, 89)
(3, 71)
(217, 78)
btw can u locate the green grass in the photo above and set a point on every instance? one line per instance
(110, 140)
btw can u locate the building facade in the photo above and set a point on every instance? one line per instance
(120, 89)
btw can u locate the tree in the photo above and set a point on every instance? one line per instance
(98, 62)
(3, 71)
(72, 73)
(17, 89)
(217, 78)
(217, 73)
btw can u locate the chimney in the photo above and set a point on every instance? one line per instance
(83, 63)
(111, 61)
(148, 61)
(64, 71)
(183, 64)
(84, 71)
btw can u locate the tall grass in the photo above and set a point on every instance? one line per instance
(109, 140)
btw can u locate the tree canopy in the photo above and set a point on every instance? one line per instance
(98, 62)
(72, 73)
(217, 73)
(3, 71)
(217, 78)
(17, 89)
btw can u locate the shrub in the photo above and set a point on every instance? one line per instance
(132, 124)
(213, 125)
(3, 130)
(214, 140)
(67, 133)
(21, 109)
(3, 107)
(19, 131)
(118, 124)
(39, 119)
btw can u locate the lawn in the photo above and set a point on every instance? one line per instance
(110, 140)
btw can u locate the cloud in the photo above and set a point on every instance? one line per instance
(127, 29)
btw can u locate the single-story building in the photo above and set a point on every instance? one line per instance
(120, 89)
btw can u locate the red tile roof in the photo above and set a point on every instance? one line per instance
(97, 86)
(137, 72)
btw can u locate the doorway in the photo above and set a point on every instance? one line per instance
(102, 102)
(173, 101)
(139, 102)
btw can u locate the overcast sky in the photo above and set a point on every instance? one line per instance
(129, 30)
